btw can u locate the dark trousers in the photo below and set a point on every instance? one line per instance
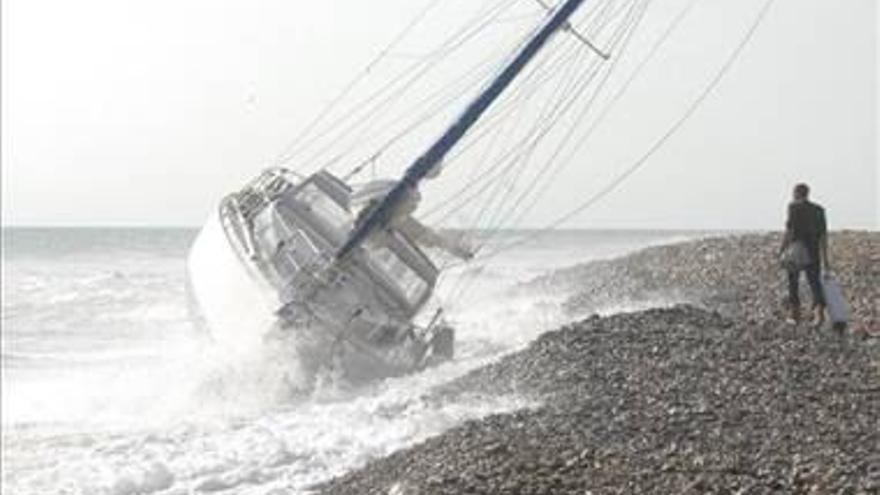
(813, 271)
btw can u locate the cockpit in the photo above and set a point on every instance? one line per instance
(321, 203)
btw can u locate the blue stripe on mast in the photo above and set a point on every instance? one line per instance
(435, 154)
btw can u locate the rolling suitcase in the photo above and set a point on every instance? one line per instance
(838, 309)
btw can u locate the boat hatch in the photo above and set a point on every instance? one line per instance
(331, 216)
(407, 281)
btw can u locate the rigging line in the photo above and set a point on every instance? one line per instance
(423, 65)
(506, 112)
(496, 128)
(621, 91)
(692, 109)
(504, 189)
(602, 15)
(371, 160)
(532, 72)
(587, 11)
(520, 17)
(497, 21)
(444, 97)
(467, 88)
(369, 109)
(359, 139)
(451, 47)
(385, 103)
(508, 106)
(502, 111)
(465, 280)
(551, 113)
(672, 27)
(622, 38)
(455, 41)
(656, 45)
(465, 82)
(429, 115)
(358, 107)
(461, 87)
(501, 20)
(486, 173)
(496, 132)
(527, 150)
(517, 156)
(622, 33)
(426, 117)
(574, 32)
(506, 161)
(529, 141)
(503, 184)
(357, 79)
(484, 182)
(529, 84)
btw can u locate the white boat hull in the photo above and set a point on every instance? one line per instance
(261, 272)
(237, 308)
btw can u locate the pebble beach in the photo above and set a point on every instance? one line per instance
(711, 393)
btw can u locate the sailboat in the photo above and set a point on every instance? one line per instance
(341, 268)
(350, 288)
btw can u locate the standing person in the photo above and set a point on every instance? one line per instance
(805, 248)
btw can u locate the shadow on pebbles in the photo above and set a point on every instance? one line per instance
(674, 400)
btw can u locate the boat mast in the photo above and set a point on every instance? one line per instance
(435, 154)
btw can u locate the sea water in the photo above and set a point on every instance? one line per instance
(111, 386)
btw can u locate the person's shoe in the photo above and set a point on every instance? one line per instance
(794, 316)
(818, 316)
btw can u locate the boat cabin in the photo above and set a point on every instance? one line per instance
(293, 226)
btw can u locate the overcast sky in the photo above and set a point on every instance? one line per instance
(147, 113)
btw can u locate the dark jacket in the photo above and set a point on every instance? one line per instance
(806, 223)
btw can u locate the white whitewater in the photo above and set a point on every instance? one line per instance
(110, 388)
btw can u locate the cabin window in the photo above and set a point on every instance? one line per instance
(326, 209)
(411, 285)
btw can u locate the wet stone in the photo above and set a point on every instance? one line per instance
(716, 395)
